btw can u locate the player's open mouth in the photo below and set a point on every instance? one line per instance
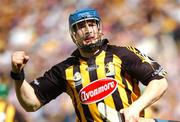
(88, 40)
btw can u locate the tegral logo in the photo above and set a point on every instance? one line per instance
(97, 90)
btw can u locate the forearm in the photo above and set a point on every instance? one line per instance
(154, 90)
(26, 96)
(145, 120)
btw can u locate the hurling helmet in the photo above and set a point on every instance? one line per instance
(85, 15)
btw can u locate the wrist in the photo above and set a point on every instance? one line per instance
(17, 76)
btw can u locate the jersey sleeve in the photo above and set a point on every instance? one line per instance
(141, 67)
(50, 85)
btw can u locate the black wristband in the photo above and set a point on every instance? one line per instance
(18, 76)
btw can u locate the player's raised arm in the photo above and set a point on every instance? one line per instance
(24, 91)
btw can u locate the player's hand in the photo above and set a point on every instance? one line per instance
(130, 114)
(19, 60)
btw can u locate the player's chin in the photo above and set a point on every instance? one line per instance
(88, 42)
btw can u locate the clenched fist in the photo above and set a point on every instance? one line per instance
(19, 60)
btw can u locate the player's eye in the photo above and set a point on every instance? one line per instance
(81, 26)
(91, 24)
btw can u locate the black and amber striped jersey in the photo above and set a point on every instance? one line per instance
(8, 113)
(111, 76)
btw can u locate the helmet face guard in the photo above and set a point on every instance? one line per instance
(84, 15)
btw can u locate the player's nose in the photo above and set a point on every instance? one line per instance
(87, 27)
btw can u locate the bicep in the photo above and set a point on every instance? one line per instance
(26, 96)
(160, 84)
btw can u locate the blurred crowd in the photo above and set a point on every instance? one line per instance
(40, 27)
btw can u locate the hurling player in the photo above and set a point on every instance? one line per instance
(96, 74)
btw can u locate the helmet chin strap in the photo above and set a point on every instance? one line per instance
(91, 47)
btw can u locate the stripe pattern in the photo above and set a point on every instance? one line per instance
(7, 112)
(103, 65)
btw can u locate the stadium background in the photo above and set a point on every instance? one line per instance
(41, 28)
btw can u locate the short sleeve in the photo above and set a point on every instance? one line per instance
(50, 85)
(140, 66)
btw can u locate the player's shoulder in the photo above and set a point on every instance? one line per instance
(121, 49)
(126, 52)
(67, 62)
